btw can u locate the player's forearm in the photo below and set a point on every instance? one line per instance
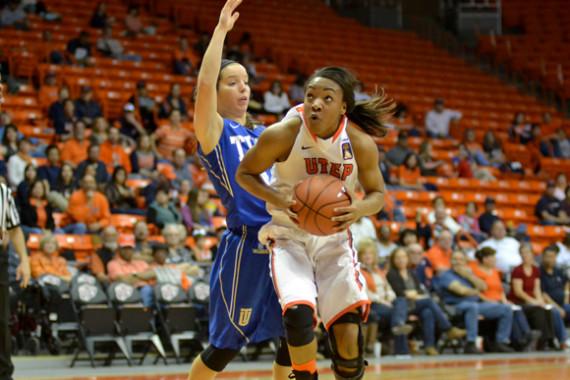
(372, 203)
(210, 67)
(253, 184)
(19, 243)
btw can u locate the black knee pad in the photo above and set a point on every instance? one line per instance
(356, 365)
(217, 358)
(299, 325)
(282, 357)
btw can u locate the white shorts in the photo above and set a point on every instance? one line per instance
(306, 268)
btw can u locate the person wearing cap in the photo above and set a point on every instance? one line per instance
(438, 120)
(130, 125)
(548, 208)
(124, 268)
(398, 154)
(488, 217)
(507, 248)
(86, 108)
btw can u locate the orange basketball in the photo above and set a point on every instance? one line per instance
(316, 198)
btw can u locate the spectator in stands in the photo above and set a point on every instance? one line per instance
(409, 174)
(420, 265)
(175, 236)
(474, 148)
(64, 187)
(520, 129)
(445, 220)
(130, 125)
(171, 136)
(23, 189)
(181, 167)
(10, 141)
(108, 251)
(48, 261)
(54, 55)
(489, 216)
(438, 120)
(384, 166)
(36, 213)
(113, 153)
(407, 286)
(79, 49)
(539, 145)
(560, 186)
(146, 107)
(385, 244)
(120, 196)
(93, 159)
(385, 305)
(548, 208)
(470, 223)
(143, 248)
(89, 207)
(144, 158)
(359, 93)
(554, 282)
(526, 292)
(439, 255)
(113, 48)
(398, 154)
(165, 273)
(563, 258)
(182, 58)
(561, 144)
(275, 100)
(100, 19)
(507, 248)
(403, 120)
(86, 108)
(407, 237)
(133, 22)
(297, 90)
(202, 43)
(485, 268)
(173, 101)
(125, 269)
(195, 213)
(99, 131)
(429, 166)
(461, 288)
(13, 15)
(74, 150)
(467, 166)
(565, 206)
(17, 163)
(51, 170)
(202, 250)
(56, 112)
(493, 149)
(162, 212)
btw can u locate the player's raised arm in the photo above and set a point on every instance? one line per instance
(208, 123)
(273, 145)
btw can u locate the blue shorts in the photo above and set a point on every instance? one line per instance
(243, 305)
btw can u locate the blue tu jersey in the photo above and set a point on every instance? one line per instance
(222, 163)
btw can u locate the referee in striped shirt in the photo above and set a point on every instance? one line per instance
(10, 231)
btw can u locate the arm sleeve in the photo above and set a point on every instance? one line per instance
(12, 216)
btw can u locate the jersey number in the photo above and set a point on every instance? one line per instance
(243, 144)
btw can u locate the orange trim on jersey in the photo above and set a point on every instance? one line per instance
(340, 128)
(365, 304)
(300, 109)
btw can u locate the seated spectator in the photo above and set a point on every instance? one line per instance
(404, 121)
(474, 148)
(173, 101)
(520, 129)
(202, 252)
(64, 187)
(143, 248)
(133, 22)
(36, 213)
(10, 141)
(181, 167)
(202, 44)
(439, 255)
(493, 150)
(86, 108)
(470, 223)
(108, 251)
(407, 237)
(146, 107)
(56, 111)
(384, 166)
(13, 15)
(561, 144)
(385, 244)
(183, 59)
(174, 236)
(113, 153)
(507, 248)
(485, 269)
(100, 19)
(144, 158)
(23, 189)
(362, 228)
(409, 174)
(438, 120)
(74, 150)
(297, 90)
(526, 292)
(420, 265)
(489, 216)
(172, 136)
(407, 286)
(93, 160)
(124, 268)
(166, 273)
(17, 163)
(460, 288)
(430, 167)
(50, 172)
(563, 258)
(445, 220)
(385, 305)
(195, 213)
(162, 212)
(555, 284)
(130, 125)
(120, 196)
(548, 209)
(79, 49)
(275, 100)
(560, 186)
(538, 145)
(359, 93)
(565, 206)
(113, 48)
(88, 207)
(468, 168)
(398, 154)
(49, 91)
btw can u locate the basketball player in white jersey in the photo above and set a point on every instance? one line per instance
(329, 134)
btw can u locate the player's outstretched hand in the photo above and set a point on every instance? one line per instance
(228, 16)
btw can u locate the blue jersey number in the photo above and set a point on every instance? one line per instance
(243, 144)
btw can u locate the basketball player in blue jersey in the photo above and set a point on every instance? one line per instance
(243, 305)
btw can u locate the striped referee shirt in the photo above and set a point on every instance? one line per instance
(9, 217)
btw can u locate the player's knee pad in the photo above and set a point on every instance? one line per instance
(217, 358)
(299, 325)
(282, 356)
(352, 369)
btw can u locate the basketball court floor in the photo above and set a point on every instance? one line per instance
(453, 367)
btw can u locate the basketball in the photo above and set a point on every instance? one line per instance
(316, 198)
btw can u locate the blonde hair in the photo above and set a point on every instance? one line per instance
(47, 238)
(365, 244)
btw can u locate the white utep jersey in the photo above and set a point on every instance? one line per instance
(312, 155)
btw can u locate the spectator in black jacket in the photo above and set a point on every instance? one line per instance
(86, 108)
(80, 48)
(488, 218)
(101, 175)
(50, 171)
(36, 213)
(23, 189)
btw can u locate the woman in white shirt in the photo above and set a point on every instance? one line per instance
(276, 100)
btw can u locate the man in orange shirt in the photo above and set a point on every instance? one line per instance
(170, 137)
(112, 152)
(89, 207)
(74, 150)
(124, 268)
(439, 255)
